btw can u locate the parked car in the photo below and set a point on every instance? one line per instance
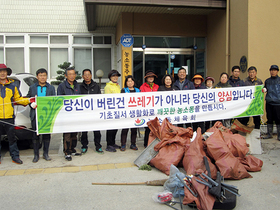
(22, 119)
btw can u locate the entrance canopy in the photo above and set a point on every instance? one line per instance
(104, 13)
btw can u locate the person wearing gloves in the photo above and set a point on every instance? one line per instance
(112, 87)
(272, 98)
(129, 87)
(148, 86)
(40, 89)
(10, 95)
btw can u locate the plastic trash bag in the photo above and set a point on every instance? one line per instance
(173, 184)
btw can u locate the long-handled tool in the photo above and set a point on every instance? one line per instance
(152, 183)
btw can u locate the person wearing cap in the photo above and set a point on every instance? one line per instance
(209, 82)
(198, 80)
(112, 87)
(252, 80)
(10, 95)
(148, 86)
(40, 89)
(272, 98)
(234, 79)
(69, 87)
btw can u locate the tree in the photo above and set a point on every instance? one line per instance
(61, 73)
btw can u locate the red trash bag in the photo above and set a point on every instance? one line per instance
(193, 157)
(229, 166)
(251, 163)
(204, 200)
(171, 147)
(236, 144)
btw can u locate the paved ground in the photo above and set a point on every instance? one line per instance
(61, 184)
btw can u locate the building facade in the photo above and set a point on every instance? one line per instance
(204, 36)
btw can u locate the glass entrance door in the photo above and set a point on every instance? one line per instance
(162, 61)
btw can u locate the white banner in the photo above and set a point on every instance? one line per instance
(59, 114)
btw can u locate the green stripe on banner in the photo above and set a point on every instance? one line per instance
(257, 105)
(47, 110)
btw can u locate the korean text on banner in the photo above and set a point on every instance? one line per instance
(59, 114)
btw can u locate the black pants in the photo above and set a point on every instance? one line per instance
(132, 137)
(8, 126)
(186, 125)
(273, 113)
(35, 138)
(97, 139)
(257, 121)
(198, 124)
(111, 137)
(69, 142)
(146, 136)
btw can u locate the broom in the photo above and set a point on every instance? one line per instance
(151, 183)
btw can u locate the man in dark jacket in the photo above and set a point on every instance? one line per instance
(252, 80)
(40, 88)
(183, 84)
(234, 79)
(69, 87)
(90, 87)
(272, 89)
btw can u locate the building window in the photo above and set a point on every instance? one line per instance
(50, 50)
(82, 40)
(15, 59)
(38, 59)
(14, 39)
(38, 39)
(57, 56)
(82, 59)
(2, 55)
(102, 60)
(59, 40)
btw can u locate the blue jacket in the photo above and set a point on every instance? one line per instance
(128, 91)
(188, 85)
(65, 89)
(236, 82)
(33, 92)
(272, 85)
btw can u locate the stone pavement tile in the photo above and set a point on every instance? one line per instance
(15, 172)
(89, 168)
(124, 165)
(2, 173)
(106, 166)
(52, 170)
(71, 169)
(34, 171)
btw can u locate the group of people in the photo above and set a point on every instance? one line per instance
(70, 86)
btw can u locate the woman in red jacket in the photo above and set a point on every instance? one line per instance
(148, 86)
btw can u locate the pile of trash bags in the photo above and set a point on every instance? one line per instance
(226, 152)
(215, 154)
